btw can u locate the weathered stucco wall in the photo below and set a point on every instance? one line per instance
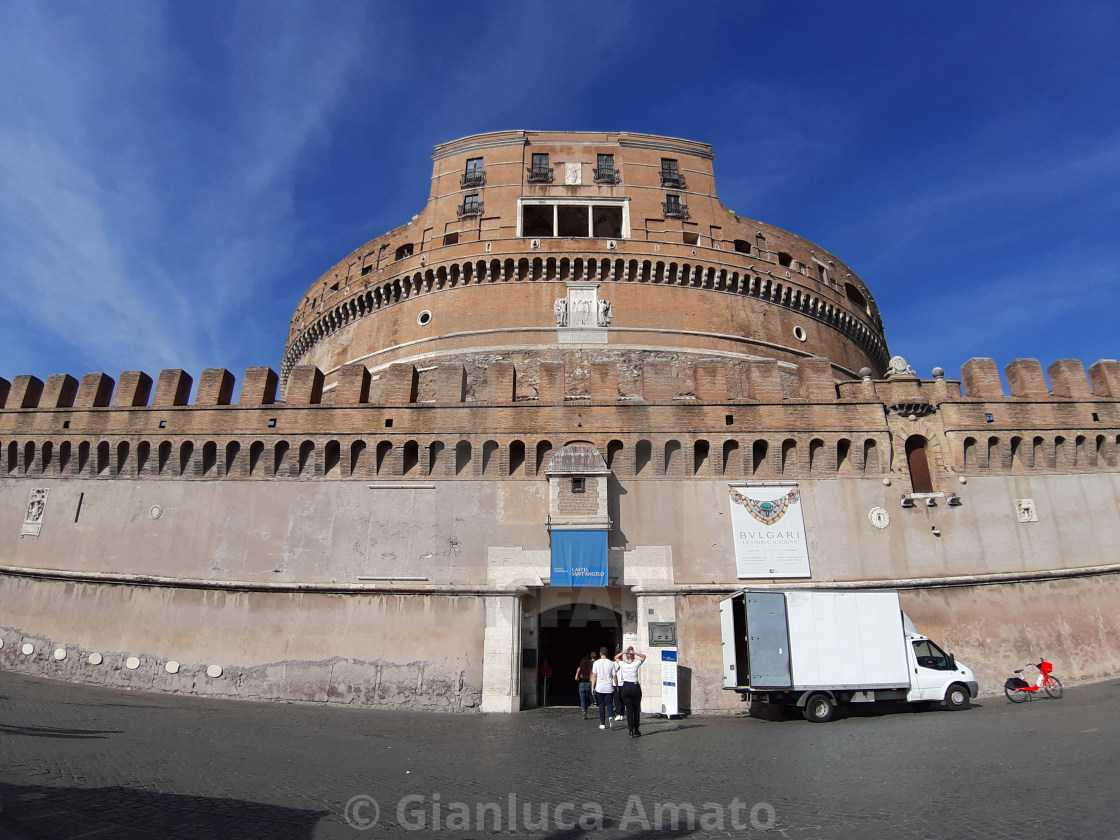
(414, 651)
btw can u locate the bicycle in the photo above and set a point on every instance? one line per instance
(1019, 690)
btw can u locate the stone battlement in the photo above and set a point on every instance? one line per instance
(549, 382)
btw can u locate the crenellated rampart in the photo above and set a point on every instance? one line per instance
(728, 418)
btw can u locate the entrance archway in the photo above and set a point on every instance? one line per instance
(567, 634)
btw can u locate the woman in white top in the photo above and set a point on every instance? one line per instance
(629, 661)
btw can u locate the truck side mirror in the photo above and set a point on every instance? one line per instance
(952, 662)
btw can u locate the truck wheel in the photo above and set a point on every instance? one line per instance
(956, 697)
(819, 709)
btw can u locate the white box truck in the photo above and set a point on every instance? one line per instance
(809, 651)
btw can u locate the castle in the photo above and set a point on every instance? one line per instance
(573, 402)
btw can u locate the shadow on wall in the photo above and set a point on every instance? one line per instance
(34, 811)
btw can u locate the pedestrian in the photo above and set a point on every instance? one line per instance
(629, 661)
(617, 693)
(583, 680)
(602, 683)
(546, 676)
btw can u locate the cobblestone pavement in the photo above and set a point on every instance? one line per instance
(83, 762)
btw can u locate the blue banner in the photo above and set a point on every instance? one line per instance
(579, 558)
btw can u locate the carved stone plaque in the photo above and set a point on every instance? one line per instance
(36, 506)
(1025, 510)
(582, 317)
(573, 173)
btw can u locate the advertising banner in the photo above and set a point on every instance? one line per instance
(579, 558)
(769, 531)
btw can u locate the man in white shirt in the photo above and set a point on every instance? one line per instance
(602, 683)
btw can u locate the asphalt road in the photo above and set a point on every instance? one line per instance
(94, 763)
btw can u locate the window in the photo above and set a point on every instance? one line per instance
(601, 219)
(473, 174)
(673, 209)
(471, 206)
(605, 173)
(403, 251)
(742, 246)
(539, 171)
(918, 462)
(579, 485)
(671, 174)
(451, 238)
(930, 655)
(785, 259)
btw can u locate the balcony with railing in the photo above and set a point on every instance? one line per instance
(607, 175)
(674, 210)
(469, 208)
(673, 180)
(540, 174)
(473, 178)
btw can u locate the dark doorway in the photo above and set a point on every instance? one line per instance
(569, 633)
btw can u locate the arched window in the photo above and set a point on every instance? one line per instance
(1039, 452)
(789, 456)
(410, 457)
(256, 449)
(83, 456)
(643, 454)
(614, 447)
(489, 457)
(332, 458)
(122, 457)
(63, 456)
(436, 457)
(46, 453)
(13, 458)
(462, 456)
(164, 457)
(731, 465)
(233, 452)
(383, 449)
(358, 458)
(544, 452)
(918, 462)
(209, 457)
(280, 458)
(143, 455)
(516, 457)
(672, 457)
(994, 453)
(102, 458)
(816, 455)
(844, 456)
(29, 456)
(700, 452)
(759, 453)
(186, 452)
(307, 458)
(970, 454)
(871, 457)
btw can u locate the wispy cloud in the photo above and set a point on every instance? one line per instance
(147, 191)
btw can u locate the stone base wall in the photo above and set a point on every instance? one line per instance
(393, 651)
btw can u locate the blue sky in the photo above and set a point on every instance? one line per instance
(174, 175)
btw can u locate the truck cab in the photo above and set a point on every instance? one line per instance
(933, 672)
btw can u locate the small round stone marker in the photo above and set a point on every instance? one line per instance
(132, 663)
(60, 654)
(95, 658)
(172, 667)
(214, 671)
(27, 648)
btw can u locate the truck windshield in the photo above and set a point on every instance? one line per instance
(930, 655)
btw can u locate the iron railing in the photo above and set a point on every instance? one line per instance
(674, 180)
(469, 208)
(540, 174)
(473, 178)
(674, 210)
(607, 175)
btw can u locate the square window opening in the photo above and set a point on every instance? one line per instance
(451, 239)
(536, 220)
(607, 222)
(571, 220)
(388, 422)
(579, 485)
(690, 238)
